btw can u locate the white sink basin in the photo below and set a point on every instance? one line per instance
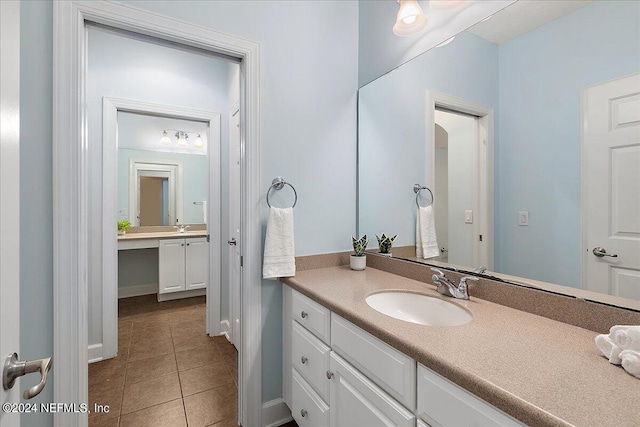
(420, 309)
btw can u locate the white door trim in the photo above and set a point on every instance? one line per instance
(10, 197)
(70, 192)
(483, 195)
(153, 168)
(110, 108)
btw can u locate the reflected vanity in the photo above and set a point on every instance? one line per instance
(529, 142)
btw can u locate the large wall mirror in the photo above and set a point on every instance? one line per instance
(162, 170)
(523, 137)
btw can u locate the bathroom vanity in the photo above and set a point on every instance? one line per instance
(346, 364)
(182, 260)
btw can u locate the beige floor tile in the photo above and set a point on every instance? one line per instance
(190, 327)
(103, 420)
(205, 378)
(210, 407)
(170, 414)
(146, 349)
(106, 371)
(145, 394)
(225, 423)
(188, 342)
(187, 315)
(107, 393)
(153, 333)
(152, 321)
(153, 367)
(198, 357)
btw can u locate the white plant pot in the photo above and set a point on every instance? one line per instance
(121, 232)
(358, 263)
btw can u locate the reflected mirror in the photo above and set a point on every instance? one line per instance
(162, 179)
(524, 143)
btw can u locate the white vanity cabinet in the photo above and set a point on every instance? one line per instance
(182, 264)
(338, 375)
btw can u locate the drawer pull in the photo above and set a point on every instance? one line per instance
(303, 360)
(304, 314)
(329, 375)
(303, 412)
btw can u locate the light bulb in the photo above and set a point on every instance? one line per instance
(410, 19)
(165, 140)
(198, 142)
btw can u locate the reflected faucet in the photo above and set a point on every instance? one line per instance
(181, 228)
(447, 287)
(480, 270)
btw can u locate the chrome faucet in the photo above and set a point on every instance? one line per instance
(480, 270)
(181, 228)
(447, 287)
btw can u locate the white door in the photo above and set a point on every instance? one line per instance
(9, 196)
(197, 263)
(234, 225)
(171, 265)
(356, 401)
(611, 187)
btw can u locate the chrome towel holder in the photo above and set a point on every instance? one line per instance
(417, 188)
(278, 183)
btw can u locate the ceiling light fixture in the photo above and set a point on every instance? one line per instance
(410, 19)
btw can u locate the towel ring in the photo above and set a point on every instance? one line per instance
(417, 188)
(278, 183)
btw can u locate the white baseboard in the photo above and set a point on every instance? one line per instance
(225, 329)
(137, 290)
(95, 353)
(275, 413)
(182, 294)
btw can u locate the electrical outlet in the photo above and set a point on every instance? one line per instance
(523, 218)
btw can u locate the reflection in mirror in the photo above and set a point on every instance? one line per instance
(160, 183)
(529, 137)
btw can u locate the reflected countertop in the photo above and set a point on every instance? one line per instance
(162, 235)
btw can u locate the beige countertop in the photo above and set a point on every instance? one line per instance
(540, 371)
(162, 235)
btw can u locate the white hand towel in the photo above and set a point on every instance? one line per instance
(204, 212)
(426, 241)
(608, 348)
(626, 337)
(279, 251)
(631, 362)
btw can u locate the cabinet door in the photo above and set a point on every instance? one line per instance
(358, 402)
(171, 265)
(197, 256)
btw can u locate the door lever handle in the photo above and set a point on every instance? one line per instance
(14, 368)
(602, 252)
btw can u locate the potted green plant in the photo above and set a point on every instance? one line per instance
(123, 227)
(359, 259)
(384, 244)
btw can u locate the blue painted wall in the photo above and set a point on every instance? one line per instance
(538, 158)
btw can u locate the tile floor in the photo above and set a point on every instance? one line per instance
(168, 371)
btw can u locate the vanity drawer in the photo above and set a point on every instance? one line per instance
(311, 315)
(443, 403)
(391, 370)
(307, 408)
(310, 357)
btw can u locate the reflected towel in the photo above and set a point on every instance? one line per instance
(631, 362)
(626, 337)
(204, 211)
(279, 251)
(426, 241)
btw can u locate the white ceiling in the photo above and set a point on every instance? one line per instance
(522, 17)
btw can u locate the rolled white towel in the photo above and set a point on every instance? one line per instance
(608, 348)
(626, 337)
(631, 362)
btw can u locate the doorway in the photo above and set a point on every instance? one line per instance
(71, 192)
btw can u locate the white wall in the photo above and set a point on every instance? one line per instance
(122, 66)
(461, 156)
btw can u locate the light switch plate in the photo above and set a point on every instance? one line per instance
(468, 217)
(523, 218)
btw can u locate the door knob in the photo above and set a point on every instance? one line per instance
(14, 368)
(602, 252)
(232, 242)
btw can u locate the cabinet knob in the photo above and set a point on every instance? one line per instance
(182, 244)
(304, 314)
(303, 412)
(188, 244)
(329, 375)
(303, 360)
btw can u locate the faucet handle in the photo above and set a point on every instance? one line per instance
(463, 281)
(440, 273)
